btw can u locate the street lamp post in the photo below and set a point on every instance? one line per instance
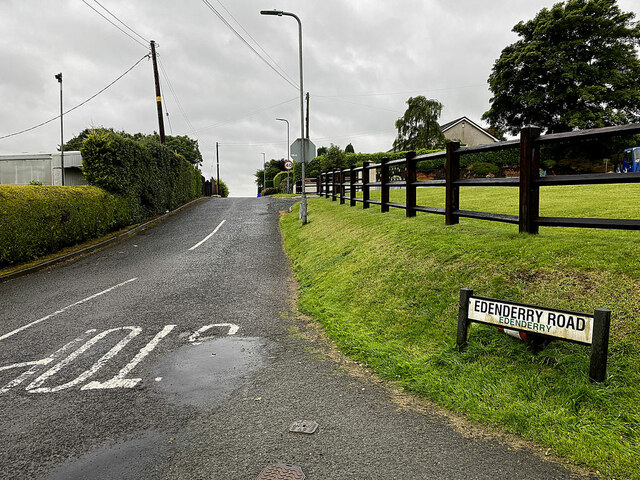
(285, 120)
(59, 78)
(264, 172)
(280, 13)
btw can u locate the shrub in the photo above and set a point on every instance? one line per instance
(36, 220)
(482, 169)
(268, 191)
(224, 190)
(281, 179)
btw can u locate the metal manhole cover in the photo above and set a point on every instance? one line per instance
(281, 471)
(304, 426)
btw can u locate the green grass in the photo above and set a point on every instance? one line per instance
(386, 289)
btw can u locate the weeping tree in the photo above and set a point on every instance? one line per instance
(419, 127)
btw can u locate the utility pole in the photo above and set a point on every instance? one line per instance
(59, 78)
(158, 96)
(308, 116)
(264, 171)
(218, 170)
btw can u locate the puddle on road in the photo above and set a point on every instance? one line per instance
(197, 375)
(138, 458)
(204, 375)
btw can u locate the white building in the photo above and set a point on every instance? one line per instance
(22, 169)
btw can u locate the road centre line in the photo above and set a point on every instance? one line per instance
(62, 310)
(207, 237)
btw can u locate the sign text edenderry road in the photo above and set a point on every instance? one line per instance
(556, 324)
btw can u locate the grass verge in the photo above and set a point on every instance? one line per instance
(385, 288)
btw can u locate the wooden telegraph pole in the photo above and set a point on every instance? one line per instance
(158, 96)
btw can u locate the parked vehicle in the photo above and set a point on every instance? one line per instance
(631, 160)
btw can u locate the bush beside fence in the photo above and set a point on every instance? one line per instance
(37, 220)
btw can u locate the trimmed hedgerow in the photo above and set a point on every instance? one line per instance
(144, 171)
(36, 220)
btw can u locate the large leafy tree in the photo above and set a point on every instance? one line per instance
(418, 127)
(574, 66)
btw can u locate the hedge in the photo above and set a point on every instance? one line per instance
(36, 220)
(144, 171)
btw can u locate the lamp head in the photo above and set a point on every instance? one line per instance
(271, 12)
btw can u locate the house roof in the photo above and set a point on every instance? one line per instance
(446, 126)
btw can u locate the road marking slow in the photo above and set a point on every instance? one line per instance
(207, 237)
(120, 380)
(40, 375)
(194, 338)
(45, 361)
(62, 310)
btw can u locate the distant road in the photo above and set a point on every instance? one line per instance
(176, 355)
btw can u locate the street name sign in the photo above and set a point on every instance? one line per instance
(581, 328)
(577, 327)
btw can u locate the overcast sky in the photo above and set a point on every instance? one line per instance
(362, 60)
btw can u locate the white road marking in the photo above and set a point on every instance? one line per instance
(119, 381)
(43, 361)
(37, 363)
(34, 387)
(193, 338)
(62, 310)
(207, 237)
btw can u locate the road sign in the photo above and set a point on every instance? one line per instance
(288, 165)
(296, 150)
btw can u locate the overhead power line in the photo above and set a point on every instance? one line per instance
(127, 26)
(255, 41)
(77, 106)
(123, 31)
(228, 25)
(175, 96)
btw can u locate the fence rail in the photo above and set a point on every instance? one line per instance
(334, 184)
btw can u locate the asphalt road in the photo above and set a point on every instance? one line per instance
(177, 354)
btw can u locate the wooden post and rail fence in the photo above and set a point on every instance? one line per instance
(336, 183)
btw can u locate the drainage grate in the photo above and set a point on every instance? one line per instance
(304, 426)
(281, 471)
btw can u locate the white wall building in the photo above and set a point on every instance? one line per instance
(22, 169)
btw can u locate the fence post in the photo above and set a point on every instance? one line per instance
(410, 177)
(599, 345)
(529, 188)
(334, 186)
(342, 189)
(452, 171)
(326, 184)
(352, 186)
(463, 318)
(365, 184)
(319, 184)
(384, 185)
